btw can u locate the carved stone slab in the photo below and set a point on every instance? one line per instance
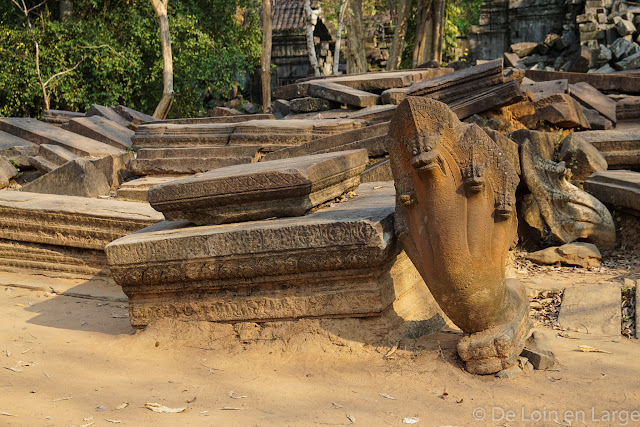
(616, 188)
(337, 262)
(289, 132)
(182, 135)
(138, 189)
(288, 187)
(102, 130)
(620, 148)
(219, 119)
(591, 97)
(70, 221)
(43, 133)
(342, 94)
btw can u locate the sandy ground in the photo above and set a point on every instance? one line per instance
(73, 361)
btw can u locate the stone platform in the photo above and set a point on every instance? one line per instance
(338, 262)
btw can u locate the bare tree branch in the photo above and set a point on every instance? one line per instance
(62, 73)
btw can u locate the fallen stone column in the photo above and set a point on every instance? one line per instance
(456, 219)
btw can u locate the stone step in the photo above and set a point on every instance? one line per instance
(138, 189)
(287, 187)
(70, 221)
(337, 262)
(50, 258)
(616, 188)
(594, 309)
(43, 133)
(103, 130)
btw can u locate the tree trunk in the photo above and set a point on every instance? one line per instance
(336, 53)
(66, 10)
(160, 8)
(311, 48)
(266, 55)
(438, 27)
(422, 32)
(356, 56)
(397, 44)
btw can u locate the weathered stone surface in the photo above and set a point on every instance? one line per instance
(59, 117)
(602, 82)
(102, 130)
(190, 160)
(616, 188)
(370, 137)
(289, 132)
(132, 116)
(393, 96)
(337, 262)
(559, 110)
(590, 97)
(21, 256)
(43, 133)
(625, 27)
(288, 187)
(375, 114)
(628, 108)
(138, 189)
(181, 135)
(629, 63)
(507, 146)
(380, 171)
(379, 81)
(50, 157)
(281, 108)
(309, 104)
(107, 113)
(79, 178)
(594, 309)
(455, 176)
(499, 95)
(581, 62)
(596, 121)
(537, 350)
(8, 141)
(581, 158)
(219, 119)
(70, 221)
(511, 59)
(459, 84)
(20, 154)
(292, 91)
(620, 148)
(7, 171)
(523, 49)
(250, 108)
(569, 212)
(225, 111)
(619, 48)
(578, 253)
(342, 94)
(541, 90)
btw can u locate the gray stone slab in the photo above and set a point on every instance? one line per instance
(310, 104)
(50, 157)
(70, 221)
(394, 96)
(183, 165)
(59, 117)
(616, 188)
(375, 114)
(133, 116)
(342, 94)
(338, 262)
(9, 141)
(43, 133)
(138, 189)
(171, 135)
(7, 171)
(541, 90)
(288, 187)
(102, 130)
(107, 113)
(380, 171)
(591, 97)
(594, 309)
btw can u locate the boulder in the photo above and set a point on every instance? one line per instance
(7, 171)
(559, 110)
(575, 254)
(523, 49)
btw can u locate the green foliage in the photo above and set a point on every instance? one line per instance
(212, 50)
(451, 32)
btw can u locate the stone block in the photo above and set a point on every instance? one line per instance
(537, 350)
(138, 189)
(342, 94)
(620, 148)
(380, 81)
(50, 157)
(590, 97)
(133, 116)
(541, 90)
(393, 96)
(628, 108)
(292, 91)
(107, 113)
(310, 104)
(7, 171)
(616, 188)
(581, 62)
(625, 27)
(225, 111)
(559, 110)
(282, 107)
(629, 63)
(20, 154)
(102, 130)
(511, 59)
(338, 262)
(289, 132)
(39, 132)
(219, 119)
(380, 171)
(288, 187)
(594, 309)
(579, 254)
(70, 221)
(596, 121)
(59, 117)
(170, 135)
(8, 141)
(375, 114)
(523, 49)
(619, 48)
(75, 178)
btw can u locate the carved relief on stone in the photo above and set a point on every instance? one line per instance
(455, 217)
(570, 213)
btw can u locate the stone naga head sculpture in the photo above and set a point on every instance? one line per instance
(456, 219)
